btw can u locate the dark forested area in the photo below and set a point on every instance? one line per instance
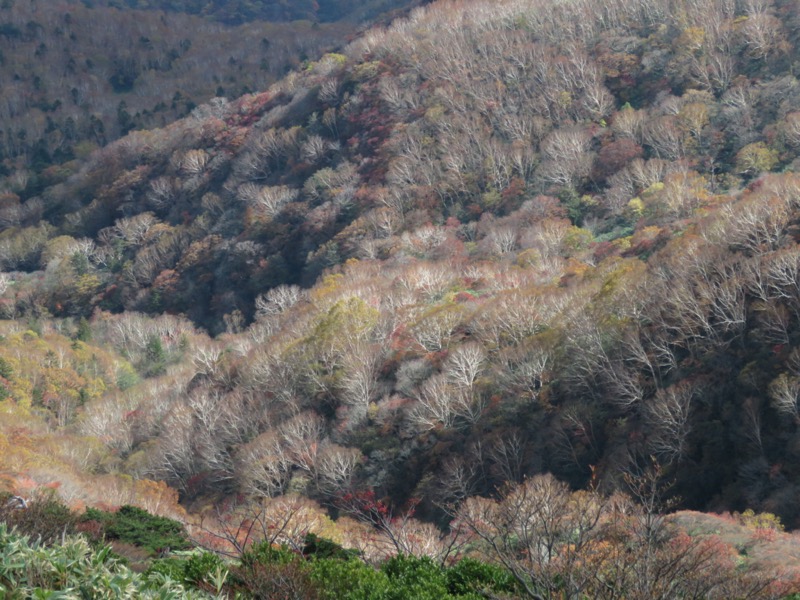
(236, 12)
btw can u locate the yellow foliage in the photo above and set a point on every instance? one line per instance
(646, 233)
(694, 116)
(653, 190)
(751, 520)
(330, 285)
(87, 285)
(347, 320)
(84, 148)
(691, 39)
(578, 238)
(327, 63)
(94, 388)
(576, 268)
(623, 269)
(434, 114)
(756, 158)
(366, 71)
(623, 243)
(529, 258)
(58, 247)
(157, 498)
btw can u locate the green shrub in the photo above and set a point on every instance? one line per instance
(138, 527)
(200, 570)
(202, 567)
(318, 547)
(172, 568)
(349, 580)
(470, 575)
(405, 577)
(412, 577)
(264, 553)
(274, 573)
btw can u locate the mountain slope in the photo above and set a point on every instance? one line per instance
(530, 237)
(76, 77)
(241, 11)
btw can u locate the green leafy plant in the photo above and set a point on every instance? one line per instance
(30, 569)
(136, 526)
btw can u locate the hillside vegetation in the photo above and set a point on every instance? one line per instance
(493, 240)
(241, 11)
(622, 551)
(76, 76)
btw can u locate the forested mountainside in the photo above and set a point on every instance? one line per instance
(493, 240)
(243, 11)
(75, 76)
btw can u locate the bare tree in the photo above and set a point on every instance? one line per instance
(791, 129)
(762, 31)
(526, 370)
(464, 364)
(508, 456)
(434, 329)
(436, 404)
(194, 162)
(283, 520)
(539, 531)
(359, 383)
(335, 468)
(568, 157)
(267, 201)
(667, 414)
(784, 391)
(162, 193)
(264, 466)
(5, 281)
(301, 436)
(278, 300)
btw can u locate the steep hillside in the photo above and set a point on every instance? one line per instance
(493, 240)
(75, 78)
(242, 11)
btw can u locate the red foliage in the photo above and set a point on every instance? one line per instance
(365, 505)
(513, 195)
(612, 157)
(544, 207)
(464, 297)
(603, 250)
(91, 529)
(167, 281)
(251, 107)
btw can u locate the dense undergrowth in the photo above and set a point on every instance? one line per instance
(153, 557)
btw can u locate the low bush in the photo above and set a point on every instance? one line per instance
(138, 527)
(44, 518)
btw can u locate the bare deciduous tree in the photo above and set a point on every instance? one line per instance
(335, 468)
(784, 391)
(667, 415)
(465, 364)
